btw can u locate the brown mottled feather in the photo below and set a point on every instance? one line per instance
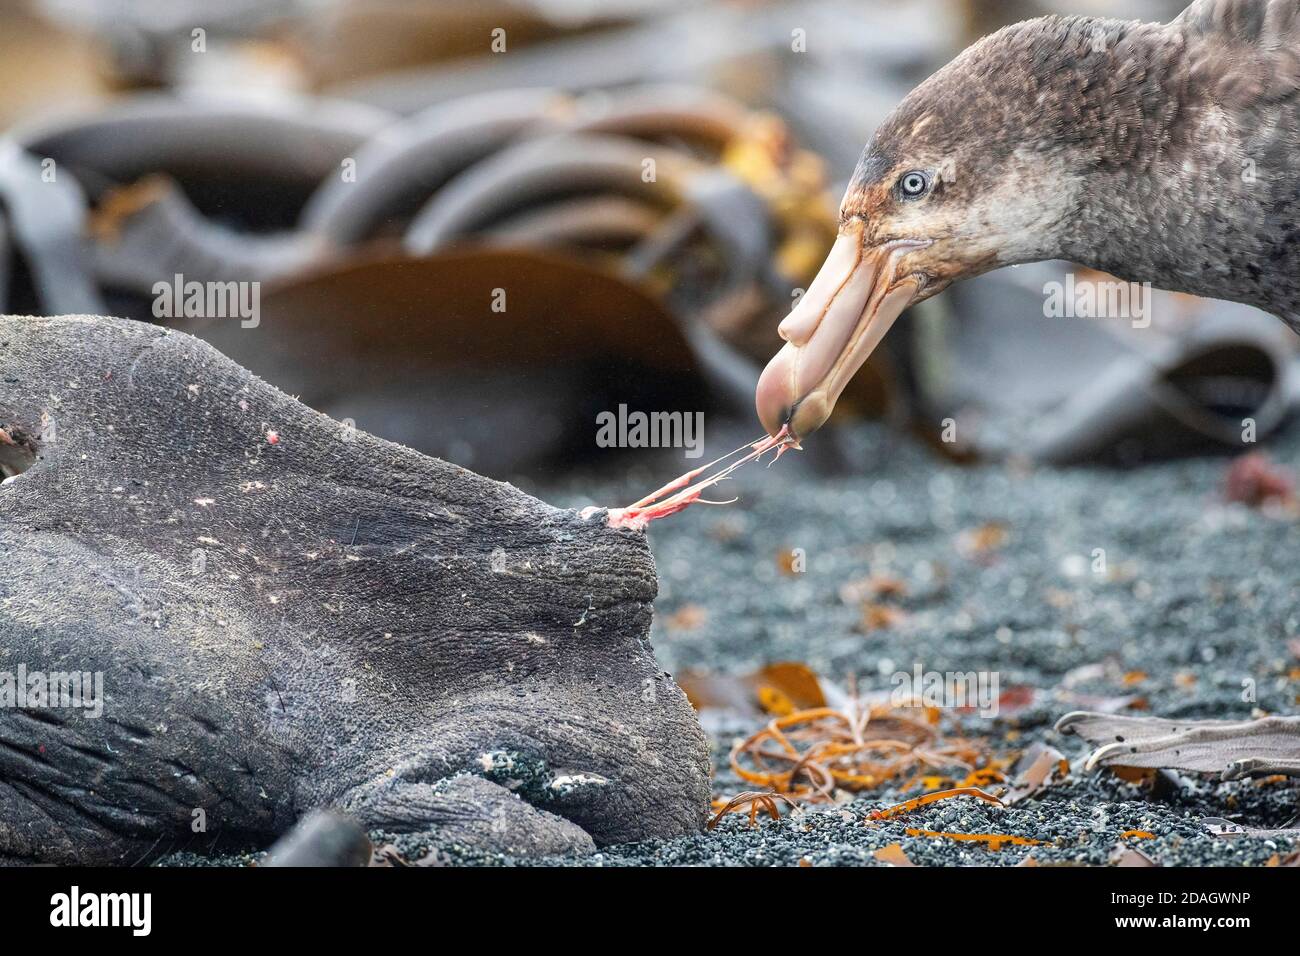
(1167, 153)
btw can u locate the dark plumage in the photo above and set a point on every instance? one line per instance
(1161, 153)
(1165, 153)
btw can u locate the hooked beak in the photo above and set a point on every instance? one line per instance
(837, 323)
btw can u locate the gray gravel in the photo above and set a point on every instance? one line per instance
(1198, 594)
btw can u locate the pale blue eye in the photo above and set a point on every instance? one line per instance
(914, 184)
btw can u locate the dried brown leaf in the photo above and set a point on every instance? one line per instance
(1124, 855)
(1039, 767)
(894, 855)
(688, 617)
(779, 688)
(880, 617)
(982, 541)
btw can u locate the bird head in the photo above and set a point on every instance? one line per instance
(977, 168)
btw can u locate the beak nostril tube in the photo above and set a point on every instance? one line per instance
(798, 327)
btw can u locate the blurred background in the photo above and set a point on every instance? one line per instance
(472, 227)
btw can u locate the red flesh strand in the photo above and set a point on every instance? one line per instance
(651, 508)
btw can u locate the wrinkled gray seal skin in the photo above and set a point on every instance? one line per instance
(326, 620)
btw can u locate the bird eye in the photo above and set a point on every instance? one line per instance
(914, 184)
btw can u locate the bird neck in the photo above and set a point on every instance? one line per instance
(1164, 225)
(1169, 180)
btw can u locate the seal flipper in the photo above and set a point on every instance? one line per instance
(470, 811)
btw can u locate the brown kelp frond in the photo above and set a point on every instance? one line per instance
(834, 744)
(907, 806)
(755, 801)
(810, 754)
(994, 841)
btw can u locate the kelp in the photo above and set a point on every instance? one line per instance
(810, 754)
(756, 801)
(907, 806)
(993, 841)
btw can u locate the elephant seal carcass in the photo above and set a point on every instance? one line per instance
(286, 613)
